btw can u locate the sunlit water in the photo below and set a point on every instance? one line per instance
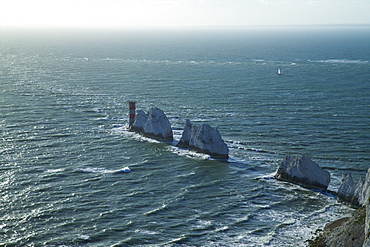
(64, 117)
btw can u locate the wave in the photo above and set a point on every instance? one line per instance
(96, 170)
(148, 232)
(167, 62)
(188, 153)
(343, 61)
(156, 210)
(101, 170)
(222, 63)
(54, 171)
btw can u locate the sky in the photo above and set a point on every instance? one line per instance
(181, 13)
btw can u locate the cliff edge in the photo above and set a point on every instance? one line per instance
(346, 232)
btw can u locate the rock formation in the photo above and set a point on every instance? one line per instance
(354, 231)
(303, 171)
(367, 224)
(355, 194)
(364, 196)
(185, 138)
(204, 139)
(365, 199)
(358, 195)
(124, 170)
(342, 233)
(348, 191)
(155, 124)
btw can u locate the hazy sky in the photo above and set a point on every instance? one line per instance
(168, 13)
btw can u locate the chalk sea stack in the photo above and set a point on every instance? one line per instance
(155, 124)
(357, 194)
(185, 137)
(303, 171)
(204, 139)
(348, 190)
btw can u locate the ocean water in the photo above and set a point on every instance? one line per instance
(64, 117)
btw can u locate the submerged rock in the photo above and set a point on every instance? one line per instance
(303, 171)
(204, 139)
(155, 124)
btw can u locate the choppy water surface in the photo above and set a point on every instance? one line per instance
(64, 115)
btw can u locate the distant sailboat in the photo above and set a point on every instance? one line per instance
(279, 72)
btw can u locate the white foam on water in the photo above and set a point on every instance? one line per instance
(344, 61)
(188, 153)
(141, 231)
(96, 170)
(55, 170)
(123, 130)
(84, 237)
(156, 210)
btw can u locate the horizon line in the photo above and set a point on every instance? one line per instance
(358, 25)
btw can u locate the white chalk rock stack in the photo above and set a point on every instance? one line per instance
(140, 120)
(348, 190)
(185, 137)
(303, 171)
(357, 194)
(155, 124)
(204, 139)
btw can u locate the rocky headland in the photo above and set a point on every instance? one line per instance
(350, 231)
(345, 232)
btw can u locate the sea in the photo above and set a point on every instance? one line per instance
(64, 133)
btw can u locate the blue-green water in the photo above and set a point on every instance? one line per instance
(64, 115)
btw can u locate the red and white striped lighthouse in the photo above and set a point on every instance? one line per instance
(132, 108)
